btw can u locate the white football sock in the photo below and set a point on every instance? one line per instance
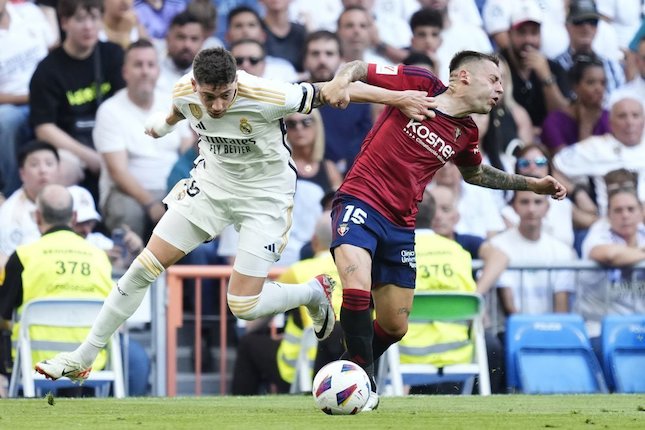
(121, 303)
(275, 298)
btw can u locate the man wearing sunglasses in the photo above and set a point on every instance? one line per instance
(245, 177)
(582, 26)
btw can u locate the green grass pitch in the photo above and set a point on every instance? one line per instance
(299, 412)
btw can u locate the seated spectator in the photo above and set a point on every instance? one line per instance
(420, 60)
(250, 56)
(207, 12)
(245, 23)
(120, 23)
(617, 242)
(38, 165)
(534, 160)
(156, 15)
(540, 85)
(589, 160)
(284, 39)
(136, 166)
(426, 26)
(183, 41)
(24, 37)
(583, 25)
(533, 291)
(353, 31)
(67, 87)
(57, 265)
(584, 116)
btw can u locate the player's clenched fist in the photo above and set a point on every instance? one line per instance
(335, 93)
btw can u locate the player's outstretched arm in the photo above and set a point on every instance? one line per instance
(160, 124)
(336, 92)
(490, 177)
(414, 104)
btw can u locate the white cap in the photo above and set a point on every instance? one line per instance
(525, 11)
(83, 204)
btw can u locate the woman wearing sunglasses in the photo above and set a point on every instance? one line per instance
(585, 115)
(534, 160)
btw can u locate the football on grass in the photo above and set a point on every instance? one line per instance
(341, 388)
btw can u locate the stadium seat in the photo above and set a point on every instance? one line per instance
(62, 313)
(431, 306)
(551, 354)
(623, 352)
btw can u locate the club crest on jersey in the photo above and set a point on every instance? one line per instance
(343, 229)
(457, 133)
(195, 110)
(245, 126)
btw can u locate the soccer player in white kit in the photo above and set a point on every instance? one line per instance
(243, 176)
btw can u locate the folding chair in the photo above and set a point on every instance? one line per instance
(62, 313)
(431, 306)
(551, 354)
(623, 352)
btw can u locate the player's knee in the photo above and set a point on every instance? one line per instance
(395, 331)
(244, 307)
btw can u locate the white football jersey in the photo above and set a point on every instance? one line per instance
(247, 145)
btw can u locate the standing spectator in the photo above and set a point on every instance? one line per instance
(38, 166)
(156, 15)
(285, 39)
(617, 242)
(590, 159)
(582, 26)
(344, 130)
(539, 85)
(183, 41)
(136, 166)
(533, 291)
(245, 23)
(69, 85)
(120, 23)
(24, 37)
(584, 116)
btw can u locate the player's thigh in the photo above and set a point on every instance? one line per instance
(354, 266)
(175, 236)
(393, 305)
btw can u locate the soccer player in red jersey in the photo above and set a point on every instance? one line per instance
(374, 211)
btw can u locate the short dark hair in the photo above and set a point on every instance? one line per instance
(322, 35)
(214, 66)
(183, 18)
(32, 146)
(67, 8)
(138, 44)
(582, 62)
(245, 41)
(464, 57)
(206, 11)
(418, 58)
(242, 9)
(426, 18)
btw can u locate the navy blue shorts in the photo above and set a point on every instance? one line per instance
(356, 223)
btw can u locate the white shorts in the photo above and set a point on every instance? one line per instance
(263, 221)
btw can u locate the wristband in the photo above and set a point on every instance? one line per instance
(157, 123)
(549, 81)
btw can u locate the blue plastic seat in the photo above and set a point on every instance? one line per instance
(551, 354)
(623, 351)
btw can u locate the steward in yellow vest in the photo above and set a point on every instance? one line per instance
(442, 264)
(61, 264)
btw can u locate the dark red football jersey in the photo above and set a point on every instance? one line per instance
(400, 156)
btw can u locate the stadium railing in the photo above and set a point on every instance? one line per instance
(173, 311)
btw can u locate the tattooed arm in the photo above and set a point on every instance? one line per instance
(348, 85)
(490, 177)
